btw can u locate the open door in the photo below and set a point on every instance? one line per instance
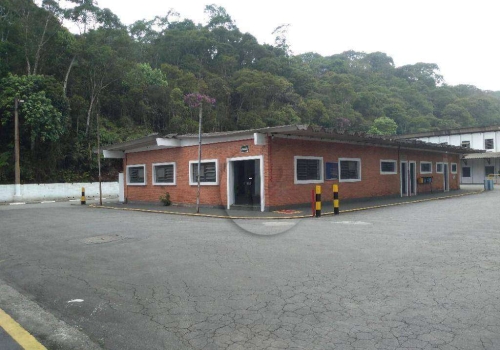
(446, 177)
(412, 178)
(245, 187)
(403, 171)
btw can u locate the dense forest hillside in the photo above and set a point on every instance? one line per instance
(135, 78)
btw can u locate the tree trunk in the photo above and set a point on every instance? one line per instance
(89, 113)
(66, 77)
(41, 44)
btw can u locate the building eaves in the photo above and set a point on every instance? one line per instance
(486, 155)
(449, 132)
(133, 144)
(268, 130)
(367, 139)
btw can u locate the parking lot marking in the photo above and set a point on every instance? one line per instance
(18, 333)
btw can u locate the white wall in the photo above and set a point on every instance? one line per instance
(476, 139)
(454, 140)
(38, 192)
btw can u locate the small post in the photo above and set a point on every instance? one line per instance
(99, 158)
(313, 203)
(335, 199)
(17, 171)
(83, 201)
(318, 201)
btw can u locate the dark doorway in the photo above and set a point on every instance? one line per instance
(446, 177)
(404, 179)
(247, 182)
(413, 179)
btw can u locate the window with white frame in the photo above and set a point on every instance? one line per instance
(209, 174)
(489, 144)
(454, 168)
(466, 144)
(350, 169)
(136, 174)
(388, 167)
(164, 174)
(439, 168)
(425, 168)
(308, 170)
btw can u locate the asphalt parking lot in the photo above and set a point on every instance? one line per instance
(420, 276)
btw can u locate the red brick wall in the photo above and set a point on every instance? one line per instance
(279, 186)
(283, 191)
(183, 193)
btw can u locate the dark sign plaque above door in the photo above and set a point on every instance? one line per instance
(244, 149)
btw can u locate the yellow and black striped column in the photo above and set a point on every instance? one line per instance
(83, 201)
(335, 199)
(318, 201)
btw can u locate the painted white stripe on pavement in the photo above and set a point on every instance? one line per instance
(17, 203)
(43, 202)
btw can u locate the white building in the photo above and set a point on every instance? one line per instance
(475, 167)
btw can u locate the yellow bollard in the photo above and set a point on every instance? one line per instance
(335, 199)
(318, 201)
(83, 201)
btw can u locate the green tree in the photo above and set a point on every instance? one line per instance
(383, 126)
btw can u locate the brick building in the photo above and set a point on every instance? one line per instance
(279, 166)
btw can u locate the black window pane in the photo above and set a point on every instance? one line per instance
(454, 168)
(136, 174)
(425, 167)
(349, 170)
(308, 169)
(388, 167)
(488, 144)
(207, 172)
(164, 173)
(465, 171)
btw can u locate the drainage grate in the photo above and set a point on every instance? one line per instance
(102, 239)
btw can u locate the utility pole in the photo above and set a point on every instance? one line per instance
(17, 169)
(199, 159)
(99, 158)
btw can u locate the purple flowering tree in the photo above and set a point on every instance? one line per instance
(196, 100)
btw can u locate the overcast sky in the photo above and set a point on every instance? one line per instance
(461, 37)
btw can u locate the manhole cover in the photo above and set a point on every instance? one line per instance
(101, 239)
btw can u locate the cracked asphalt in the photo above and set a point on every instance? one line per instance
(420, 276)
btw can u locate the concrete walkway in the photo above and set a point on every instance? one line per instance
(292, 213)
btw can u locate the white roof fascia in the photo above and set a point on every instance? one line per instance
(113, 154)
(160, 141)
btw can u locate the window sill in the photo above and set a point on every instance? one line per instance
(349, 180)
(204, 184)
(307, 182)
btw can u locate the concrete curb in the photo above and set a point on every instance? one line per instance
(408, 202)
(282, 217)
(55, 333)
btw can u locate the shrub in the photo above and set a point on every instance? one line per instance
(166, 199)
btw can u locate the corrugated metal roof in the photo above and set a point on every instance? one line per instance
(450, 132)
(482, 155)
(313, 132)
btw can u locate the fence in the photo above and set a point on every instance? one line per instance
(58, 191)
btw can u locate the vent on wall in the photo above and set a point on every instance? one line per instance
(489, 144)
